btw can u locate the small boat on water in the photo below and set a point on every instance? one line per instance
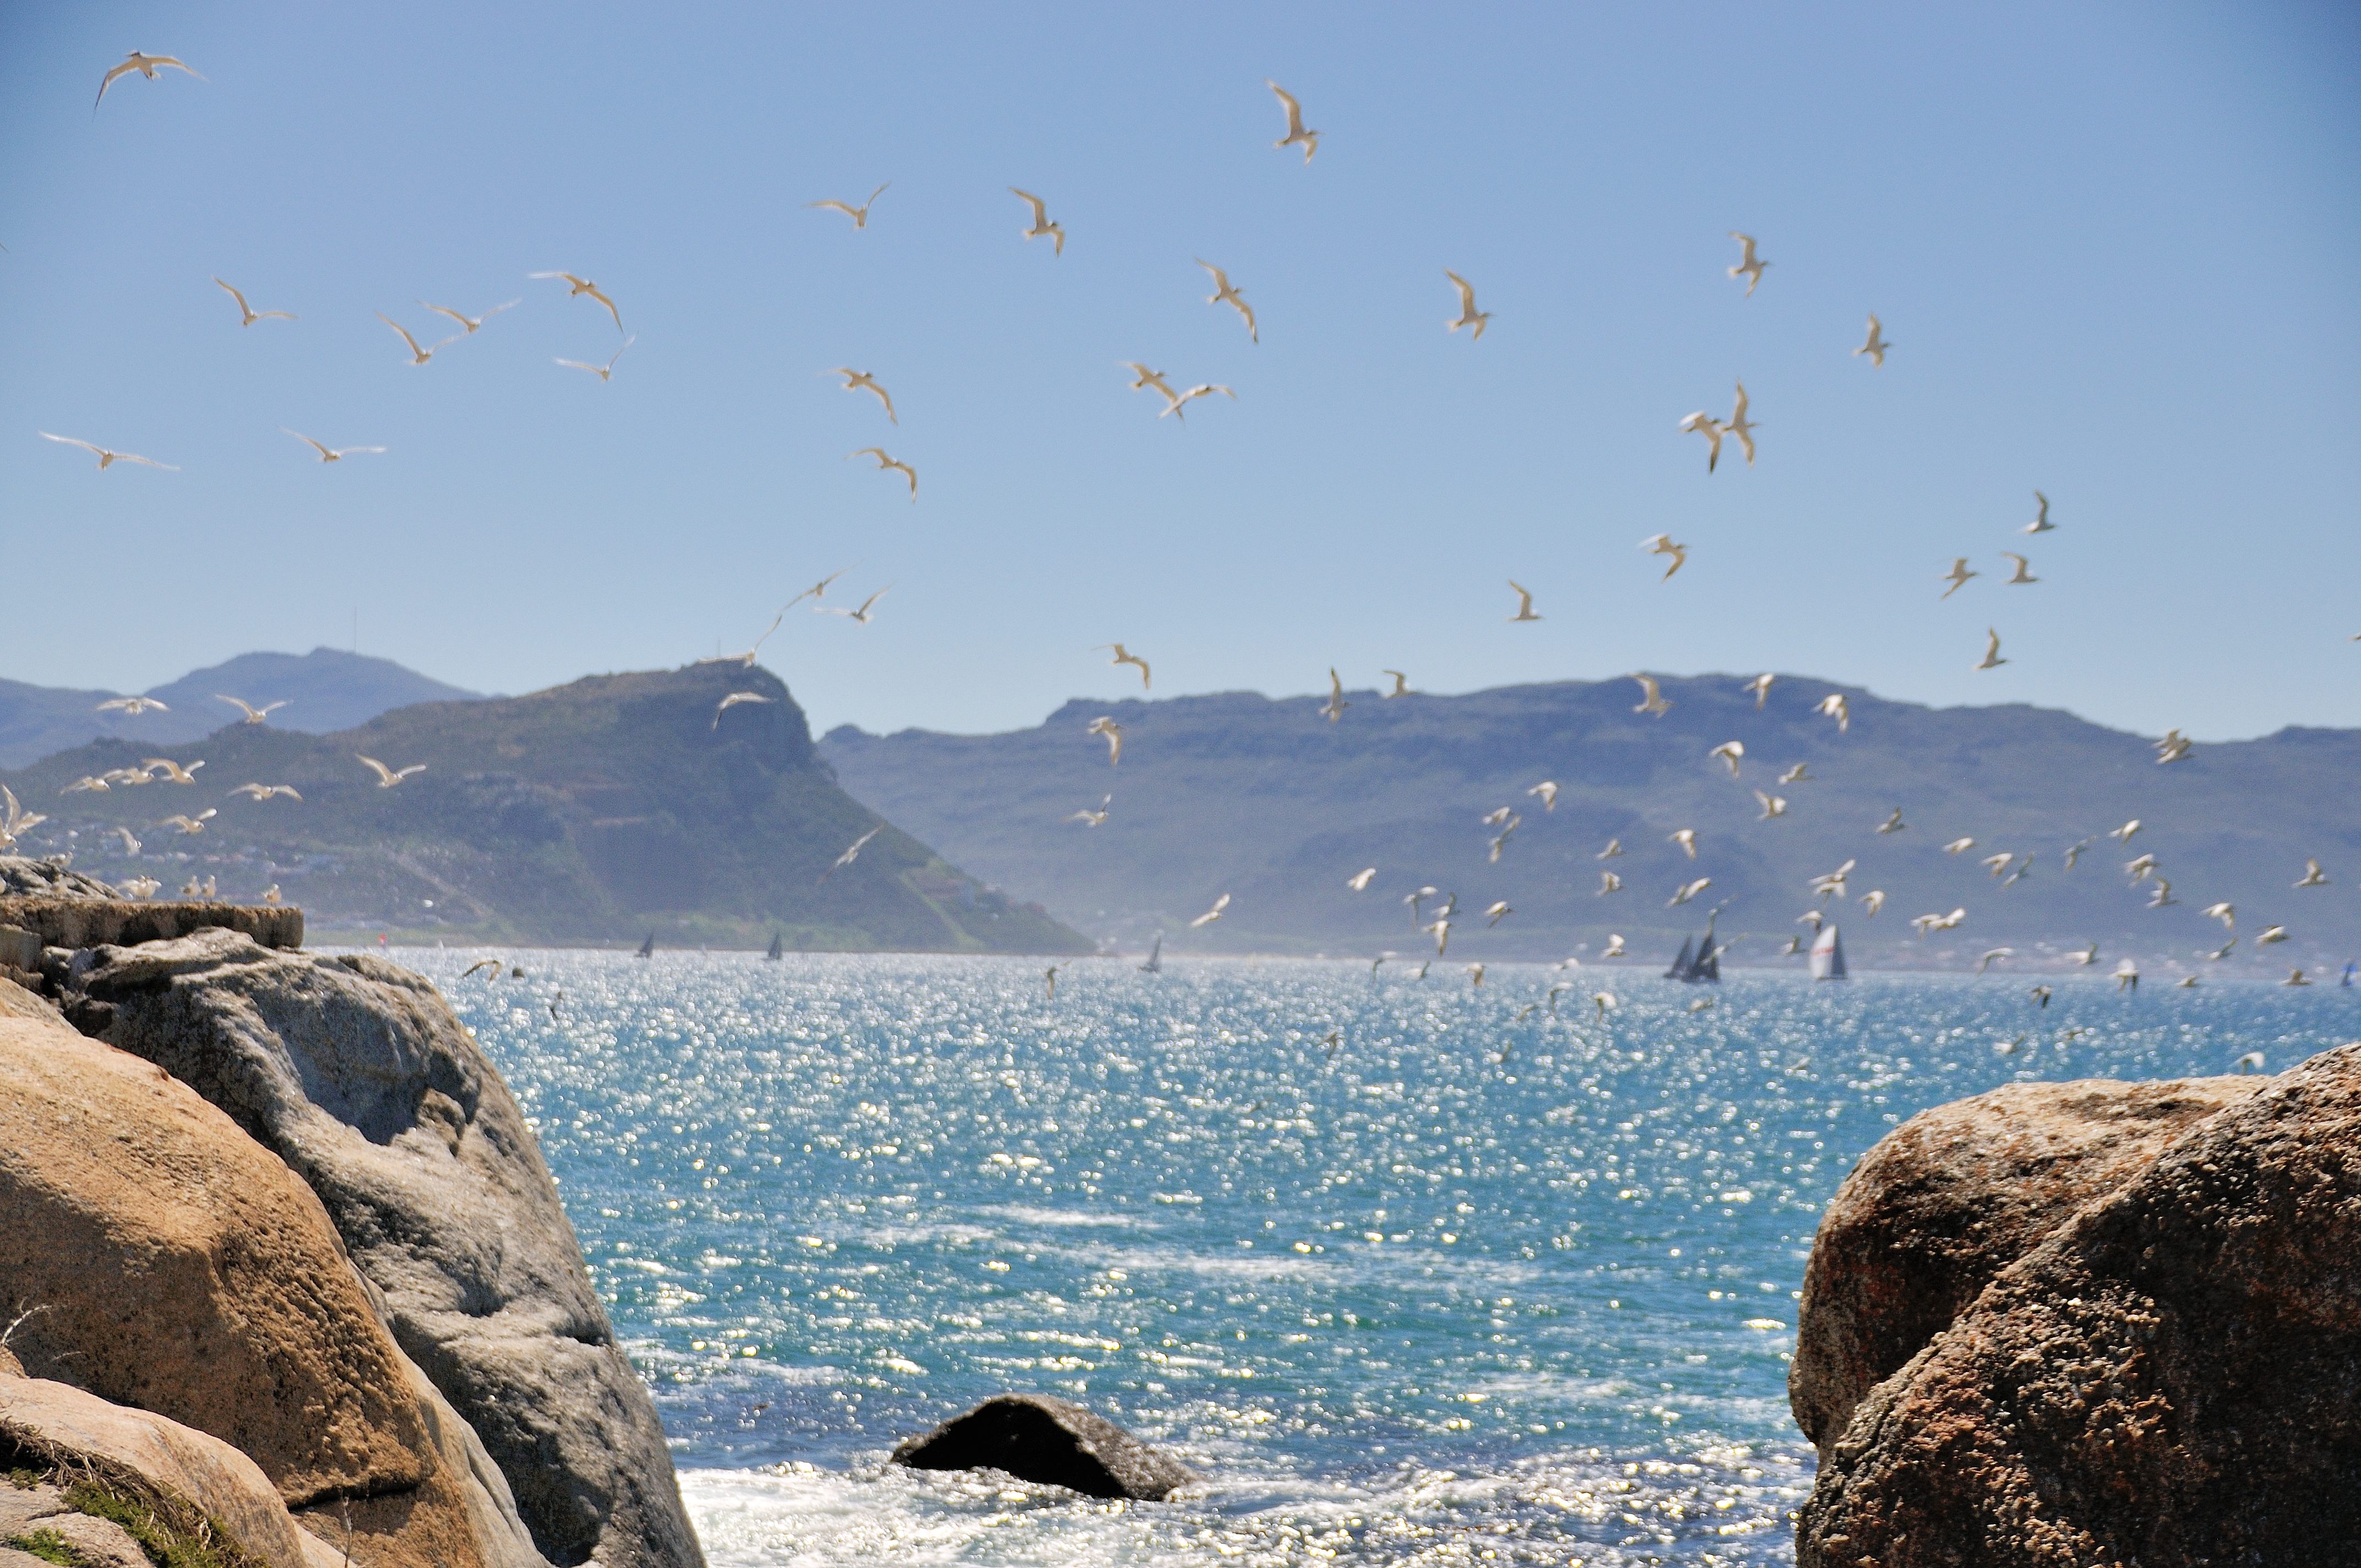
(648, 948)
(1699, 962)
(773, 954)
(1155, 964)
(1828, 955)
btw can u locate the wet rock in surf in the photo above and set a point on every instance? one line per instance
(1037, 1438)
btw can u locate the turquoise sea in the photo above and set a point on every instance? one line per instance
(1474, 1284)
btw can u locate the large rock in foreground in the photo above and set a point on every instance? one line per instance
(153, 1256)
(358, 1075)
(1037, 1438)
(1949, 1199)
(2172, 1375)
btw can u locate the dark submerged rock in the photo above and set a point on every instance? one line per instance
(2172, 1375)
(1035, 1437)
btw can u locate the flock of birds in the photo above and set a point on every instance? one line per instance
(1739, 428)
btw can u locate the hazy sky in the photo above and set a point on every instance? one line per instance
(2118, 248)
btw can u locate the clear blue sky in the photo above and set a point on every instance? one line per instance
(2117, 247)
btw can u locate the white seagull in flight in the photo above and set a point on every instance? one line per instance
(106, 457)
(1296, 135)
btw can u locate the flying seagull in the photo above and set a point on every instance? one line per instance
(885, 462)
(470, 324)
(253, 715)
(1224, 294)
(1103, 724)
(851, 853)
(604, 372)
(1875, 345)
(386, 777)
(1741, 426)
(106, 457)
(1729, 752)
(327, 454)
(1124, 656)
(1712, 429)
(1336, 704)
(1547, 790)
(1893, 824)
(131, 706)
(2040, 523)
(247, 314)
(1401, 683)
(1041, 224)
(1212, 914)
(2023, 573)
(417, 356)
(146, 65)
(1360, 880)
(860, 214)
(861, 615)
(1180, 400)
(732, 700)
(1524, 603)
(1093, 818)
(1761, 686)
(1651, 700)
(862, 381)
(1296, 135)
(1958, 577)
(1835, 707)
(1662, 544)
(262, 792)
(584, 286)
(1750, 266)
(1469, 316)
(1992, 659)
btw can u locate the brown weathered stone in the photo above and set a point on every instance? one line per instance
(84, 921)
(2172, 1376)
(358, 1074)
(162, 1259)
(1949, 1199)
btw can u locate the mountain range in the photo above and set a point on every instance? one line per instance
(592, 812)
(1266, 801)
(325, 690)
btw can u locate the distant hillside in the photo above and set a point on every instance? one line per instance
(591, 812)
(1266, 801)
(325, 690)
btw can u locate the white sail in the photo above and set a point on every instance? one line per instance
(1828, 955)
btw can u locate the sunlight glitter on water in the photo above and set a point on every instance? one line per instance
(1482, 1285)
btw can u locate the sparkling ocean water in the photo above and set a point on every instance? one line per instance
(1481, 1285)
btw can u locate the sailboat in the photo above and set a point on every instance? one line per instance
(1828, 955)
(1699, 962)
(773, 954)
(648, 948)
(1155, 964)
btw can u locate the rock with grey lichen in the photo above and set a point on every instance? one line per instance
(358, 1075)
